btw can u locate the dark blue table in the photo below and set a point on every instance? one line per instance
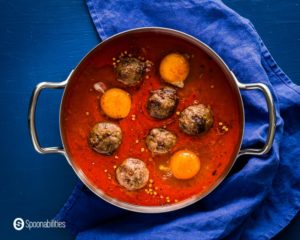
(43, 41)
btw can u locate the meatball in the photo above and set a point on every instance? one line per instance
(162, 103)
(196, 119)
(105, 137)
(130, 70)
(132, 174)
(160, 141)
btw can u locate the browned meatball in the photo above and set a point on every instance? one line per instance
(105, 137)
(162, 103)
(196, 119)
(130, 70)
(132, 174)
(160, 141)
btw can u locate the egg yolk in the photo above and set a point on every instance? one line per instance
(116, 103)
(184, 164)
(174, 69)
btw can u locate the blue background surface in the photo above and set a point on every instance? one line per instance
(43, 41)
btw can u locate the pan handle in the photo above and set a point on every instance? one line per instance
(31, 115)
(272, 117)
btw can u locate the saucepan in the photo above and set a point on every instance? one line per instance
(96, 75)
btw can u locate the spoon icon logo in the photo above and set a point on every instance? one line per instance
(18, 224)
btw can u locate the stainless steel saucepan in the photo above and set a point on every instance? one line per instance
(237, 86)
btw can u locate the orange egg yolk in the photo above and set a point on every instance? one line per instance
(184, 164)
(116, 103)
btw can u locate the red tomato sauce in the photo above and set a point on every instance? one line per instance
(206, 84)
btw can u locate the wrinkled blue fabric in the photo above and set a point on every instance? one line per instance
(261, 194)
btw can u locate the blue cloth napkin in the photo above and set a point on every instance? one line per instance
(261, 195)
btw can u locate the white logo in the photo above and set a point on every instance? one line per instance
(18, 224)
